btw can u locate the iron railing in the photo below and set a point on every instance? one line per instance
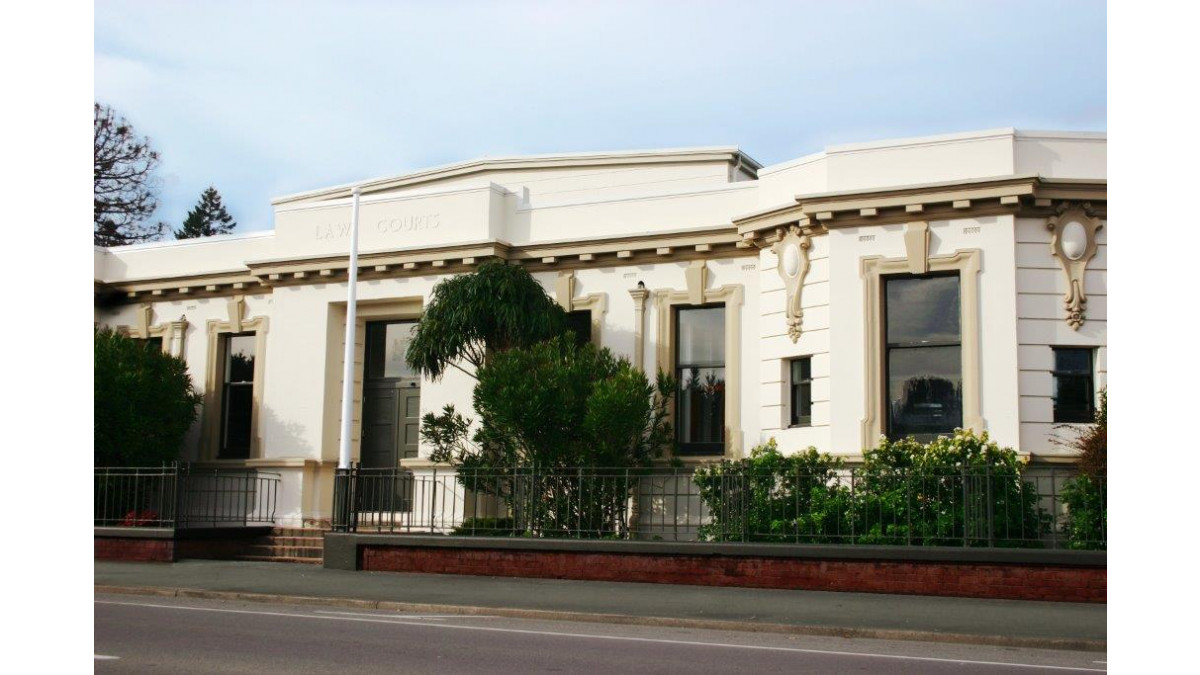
(1042, 508)
(181, 496)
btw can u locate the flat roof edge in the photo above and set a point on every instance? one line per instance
(728, 153)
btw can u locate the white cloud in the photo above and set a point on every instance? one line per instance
(255, 97)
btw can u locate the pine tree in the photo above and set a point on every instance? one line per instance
(207, 218)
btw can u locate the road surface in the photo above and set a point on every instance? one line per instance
(140, 633)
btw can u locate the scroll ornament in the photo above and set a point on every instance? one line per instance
(792, 250)
(1073, 243)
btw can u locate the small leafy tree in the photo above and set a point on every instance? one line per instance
(772, 497)
(472, 316)
(207, 218)
(1086, 495)
(124, 188)
(553, 417)
(945, 493)
(144, 402)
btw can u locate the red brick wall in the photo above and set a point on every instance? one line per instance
(134, 549)
(1005, 581)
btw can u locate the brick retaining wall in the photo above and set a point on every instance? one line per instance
(924, 573)
(161, 544)
(135, 549)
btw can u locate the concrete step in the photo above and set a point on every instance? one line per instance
(283, 559)
(289, 541)
(298, 532)
(275, 550)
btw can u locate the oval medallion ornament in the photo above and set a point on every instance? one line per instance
(1074, 240)
(791, 261)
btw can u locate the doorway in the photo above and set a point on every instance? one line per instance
(391, 397)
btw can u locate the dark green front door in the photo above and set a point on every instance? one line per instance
(391, 417)
(391, 423)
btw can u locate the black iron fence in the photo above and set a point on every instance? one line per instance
(1042, 508)
(181, 496)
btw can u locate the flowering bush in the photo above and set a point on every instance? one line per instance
(770, 496)
(956, 490)
(953, 490)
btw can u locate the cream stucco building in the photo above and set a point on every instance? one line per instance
(906, 286)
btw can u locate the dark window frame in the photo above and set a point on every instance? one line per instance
(797, 391)
(371, 330)
(889, 347)
(696, 449)
(226, 449)
(1089, 377)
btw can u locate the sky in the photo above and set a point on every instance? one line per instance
(263, 99)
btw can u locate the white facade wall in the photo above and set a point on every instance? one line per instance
(562, 206)
(776, 350)
(1041, 286)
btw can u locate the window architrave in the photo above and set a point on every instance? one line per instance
(731, 296)
(872, 271)
(172, 333)
(210, 446)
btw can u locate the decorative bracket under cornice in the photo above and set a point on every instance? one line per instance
(1025, 195)
(1073, 230)
(792, 250)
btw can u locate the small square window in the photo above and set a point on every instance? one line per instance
(1074, 385)
(801, 392)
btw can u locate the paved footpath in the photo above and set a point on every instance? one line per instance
(996, 622)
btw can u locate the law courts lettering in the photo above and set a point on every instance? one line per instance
(431, 221)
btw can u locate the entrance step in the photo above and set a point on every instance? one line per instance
(284, 551)
(278, 559)
(282, 544)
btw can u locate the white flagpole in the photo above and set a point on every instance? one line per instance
(351, 325)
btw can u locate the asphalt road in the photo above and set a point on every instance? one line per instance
(135, 634)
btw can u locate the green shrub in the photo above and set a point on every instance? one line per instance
(487, 527)
(144, 402)
(1086, 495)
(548, 413)
(772, 497)
(944, 493)
(1086, 523)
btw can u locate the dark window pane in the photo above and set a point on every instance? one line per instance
(238, 404)
(375, 357)
(154, 344)
(801, 392)
(1074, 389)
(580, 323)
(701, 418)
(923, 310)
(701, 336)
(924, 391)
(1073, 360)
(239, 358)
(700, 368)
